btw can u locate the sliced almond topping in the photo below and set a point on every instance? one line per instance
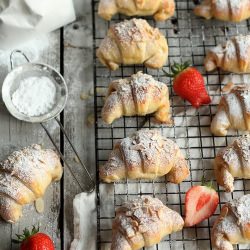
(39, 205)
(228, 87)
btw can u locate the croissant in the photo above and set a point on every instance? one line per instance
(233, 55)
(146, 154)
(161, 9)
(143, 222)
(24, 177)
(138, 95)
(225, 10)
(233, 161)
(233, 111)
(133, 42)
(233, 224)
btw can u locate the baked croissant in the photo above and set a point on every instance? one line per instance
(138, 95)
(161, 9)
(233, 224)
(225, 10)
(143, 222)
(24, 177)
(133, 42)
(233, 161)
(146, 155)
(233, 55)
(233, 111)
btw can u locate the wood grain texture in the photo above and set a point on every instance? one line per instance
(16, 134)
(78, 73)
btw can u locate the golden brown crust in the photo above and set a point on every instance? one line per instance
(232, 226)
(232, 162)
(138, 95)
(133, 42)
(145, 155)
(233, 111)
(24, 177)
(143, 222)
(232, 56)
(225, 10)
(160, 9)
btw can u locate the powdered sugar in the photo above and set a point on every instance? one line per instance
(243, 46)
(237, 45)
(144, 215)
(233, 222)
(223, 5)
(129, 30)
(233, 111)
(35, 96)
(240, 148)
(24, 176)
(241, 208)
(138, 89)
(135, 157)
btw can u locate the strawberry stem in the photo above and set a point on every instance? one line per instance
(177, 68)
(26, 234)
(206, 183)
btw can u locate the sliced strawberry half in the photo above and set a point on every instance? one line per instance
(200, 203)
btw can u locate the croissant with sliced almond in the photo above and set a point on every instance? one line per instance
(233, 162)
(24, 177)
(160, 9)
(225, 10)
(233, 224)
(140, 95)
(233, 55)
(147, 155)
(233, 111)
(143, 222)
(133, 42)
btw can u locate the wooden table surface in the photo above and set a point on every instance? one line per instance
(70, 52)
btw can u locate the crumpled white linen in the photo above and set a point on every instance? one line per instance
(21, 20)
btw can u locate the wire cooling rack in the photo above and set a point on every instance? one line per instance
(189, 37)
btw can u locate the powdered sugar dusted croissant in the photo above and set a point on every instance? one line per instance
(161, 9)
(233, 224)
(147, 155)
(233, 55)
(24, 177)
(133, 42)
(233, 111)
(233, 161)
(138, 95)
(143, 222)
(225, 10)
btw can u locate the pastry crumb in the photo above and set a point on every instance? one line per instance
(76, 159)
(84, 96)
(91, 119)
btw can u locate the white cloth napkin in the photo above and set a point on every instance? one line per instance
(21, 20)
(85, 225)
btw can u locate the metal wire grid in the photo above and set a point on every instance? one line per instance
(188, 37)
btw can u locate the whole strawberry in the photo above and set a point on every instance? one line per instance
(189, 84)
(34, 240)
(200, 203)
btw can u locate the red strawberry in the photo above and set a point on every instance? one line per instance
(189, 84)
(200, 203)
(34, 240)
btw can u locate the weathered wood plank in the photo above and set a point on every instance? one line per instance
(16, 134)
(78, 72)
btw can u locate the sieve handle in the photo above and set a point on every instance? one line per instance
(12, 57)
(91, 187)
